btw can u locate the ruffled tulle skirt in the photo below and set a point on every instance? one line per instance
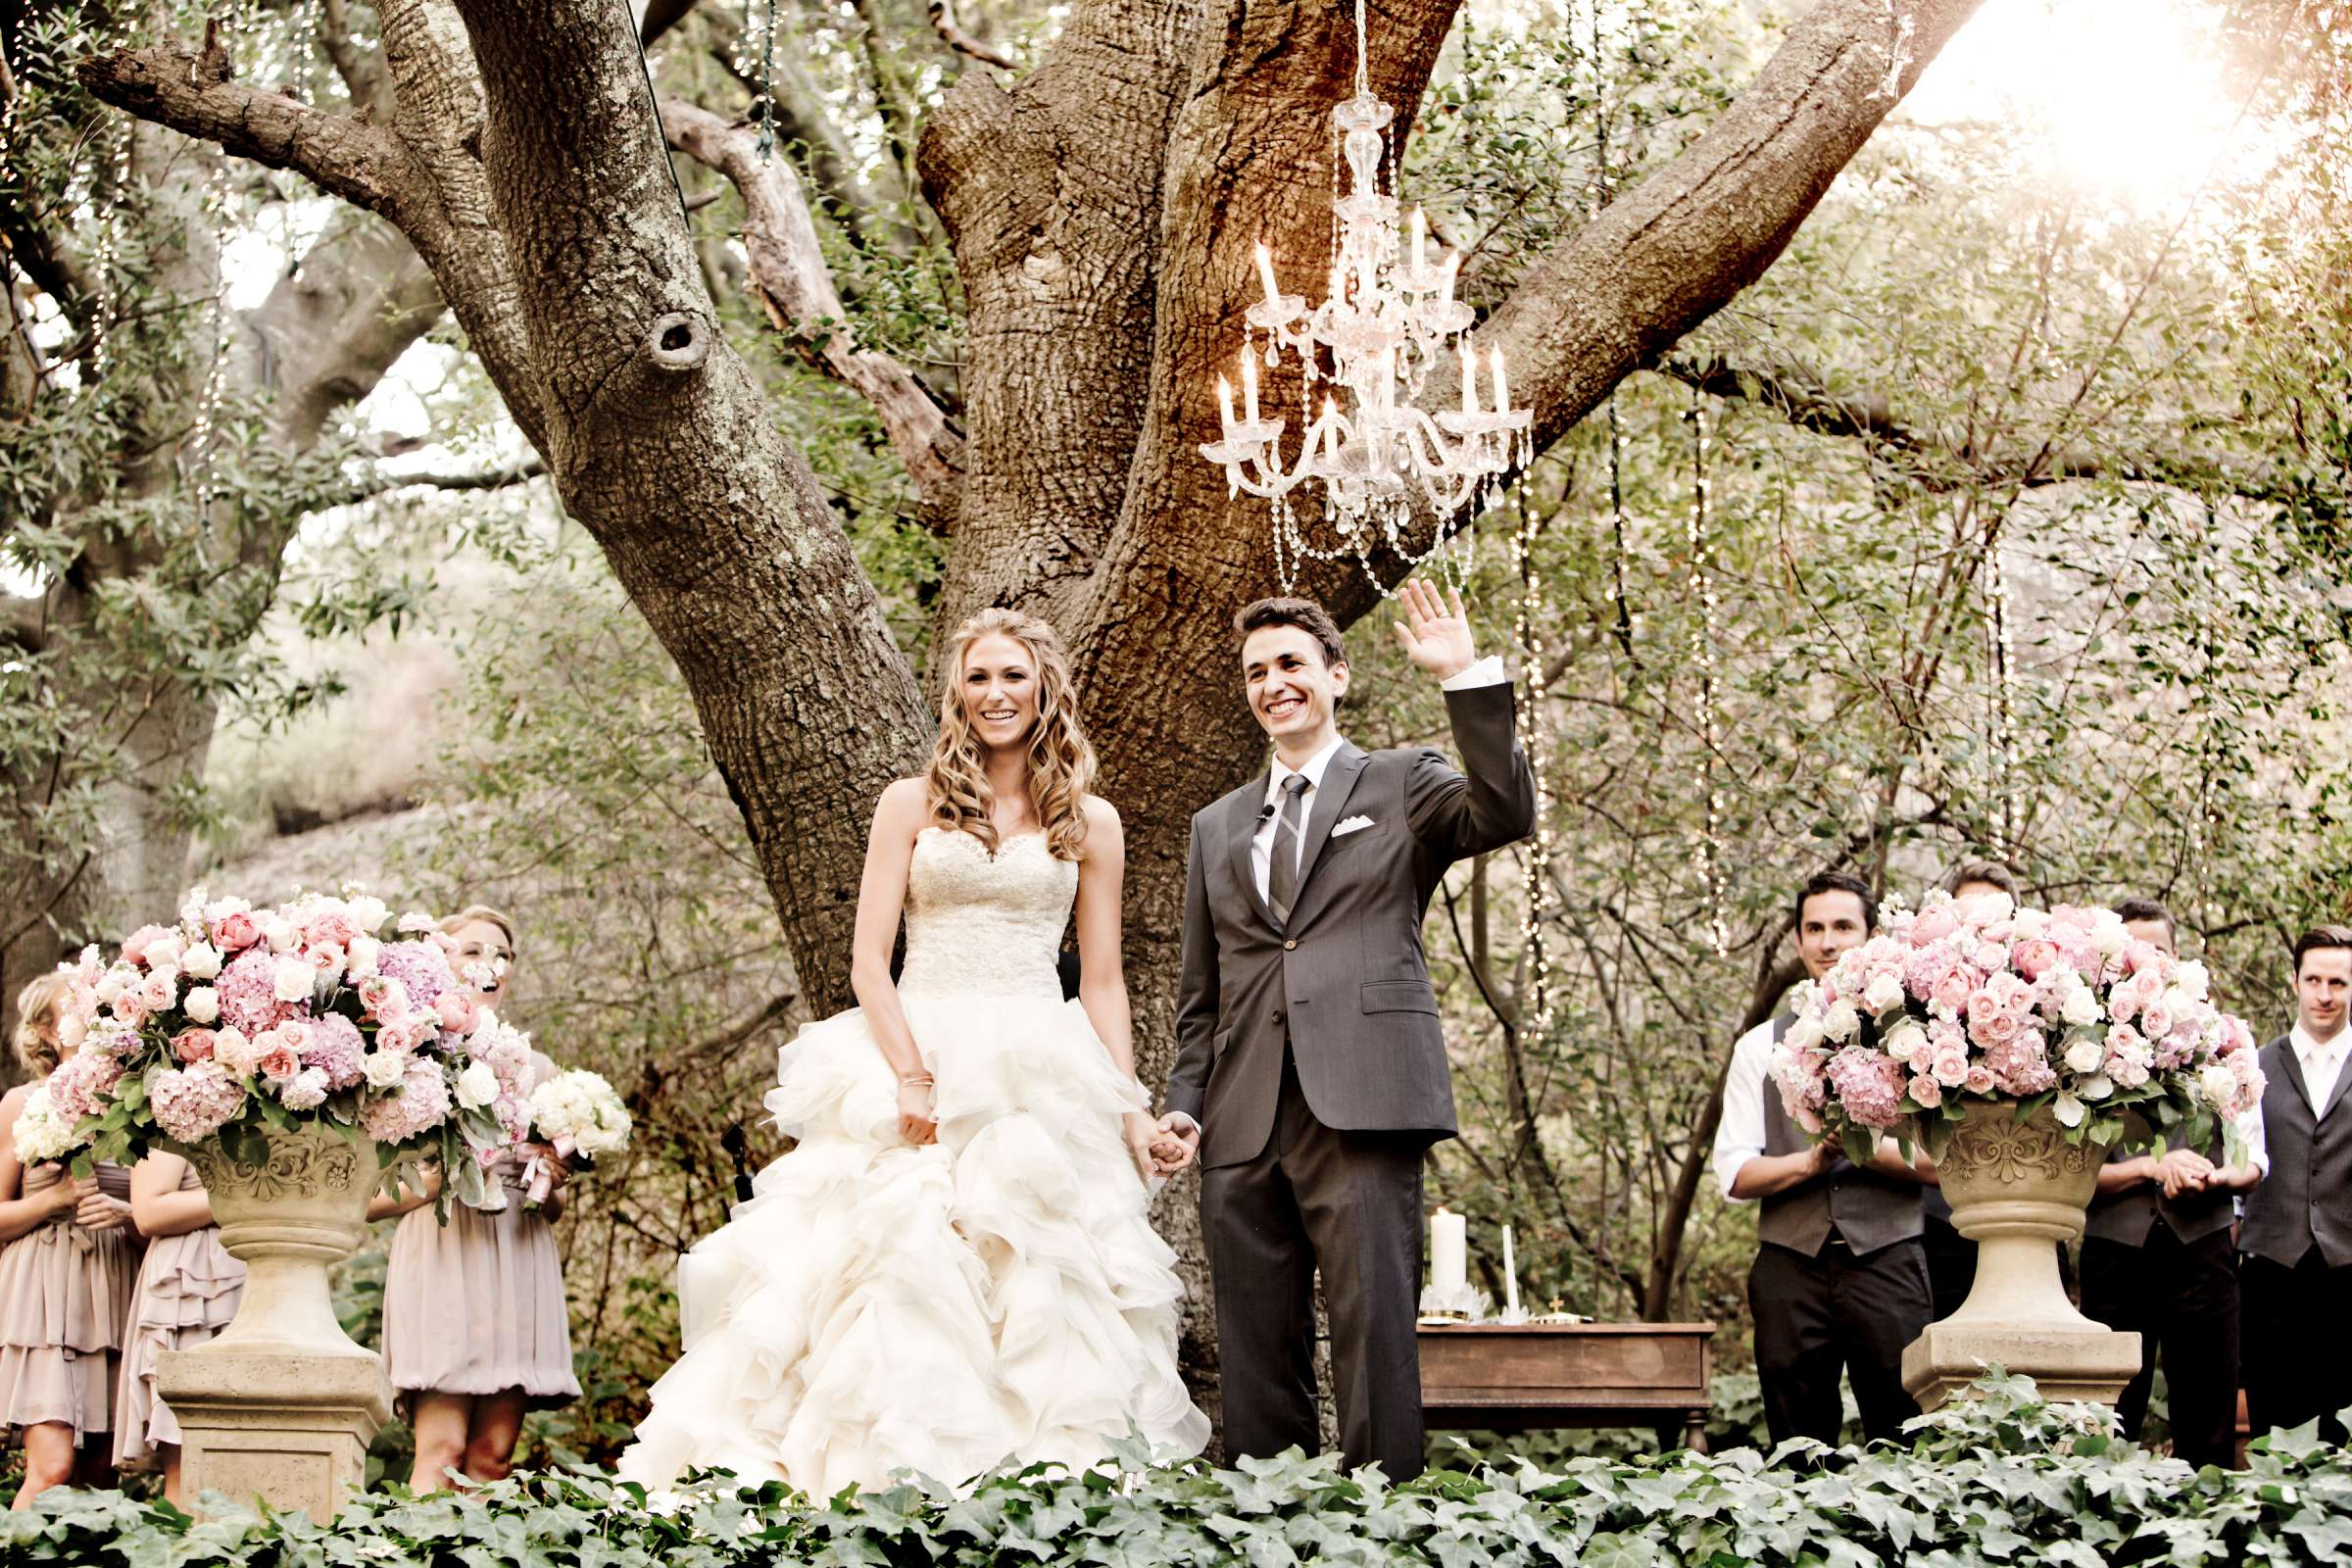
(877, 1307)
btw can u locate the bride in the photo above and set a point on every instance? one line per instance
(953, 1265)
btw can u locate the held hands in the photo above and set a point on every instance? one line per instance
(2181, 1170)
(1175, 1141)
(918, 1113)
(1436, 639)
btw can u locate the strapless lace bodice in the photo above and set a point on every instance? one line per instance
(981, 925)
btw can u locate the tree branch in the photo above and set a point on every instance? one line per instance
(380, 482)
(943, 22)
(788, 275)
(175, 85)
(1940, 466)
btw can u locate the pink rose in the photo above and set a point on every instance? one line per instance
(1980, 1080)
(158, 992)
(279, 1062)
(2033, 956)
(235, 932)
(1953, 991)
(129, 1012)
(1934, 925)
(1983, 1007)
(1950, 1068)
(135, 946)
(458, 1010)
(330, 928)
(1998, 1029)
(1926, 1093)
(192, 1045)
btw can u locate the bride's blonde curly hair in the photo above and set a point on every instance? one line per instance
(1061, 765)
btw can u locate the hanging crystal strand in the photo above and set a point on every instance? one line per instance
(2004, 714)
(767, 80)
(1709, 852)
(1536, 1013)
(237, 21)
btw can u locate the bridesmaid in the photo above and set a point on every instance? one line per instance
(67, 1271)
(477, 1328)
(188, 1290)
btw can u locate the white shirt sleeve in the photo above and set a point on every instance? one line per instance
(2250, 1133)
(1488, 672)
(1740, 1135)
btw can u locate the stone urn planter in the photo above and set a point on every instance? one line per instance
(283, 1404)
(2018, 1190)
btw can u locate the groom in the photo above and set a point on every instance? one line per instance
(1310, 1070)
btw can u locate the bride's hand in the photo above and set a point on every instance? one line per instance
(918, 1121)
(1142, 1132)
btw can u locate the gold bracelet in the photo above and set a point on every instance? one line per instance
(923, 1078)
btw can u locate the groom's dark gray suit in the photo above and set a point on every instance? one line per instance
(1308, 1049)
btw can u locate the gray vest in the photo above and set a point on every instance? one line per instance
(2131, 1215)
(1870, 1209)
(2306, 1201)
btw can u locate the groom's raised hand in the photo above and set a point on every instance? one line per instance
(1434, 636)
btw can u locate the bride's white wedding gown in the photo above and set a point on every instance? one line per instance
(876, 1305)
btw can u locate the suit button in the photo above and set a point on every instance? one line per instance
(1288, 946)
(1278, 1015)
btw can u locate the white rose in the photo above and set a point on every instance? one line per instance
(1803, 1034)
(477, 1086)
(2083, 1054)
(201, 961)
(2081, 1008)
(203, 1005)
(236, 1053)
(2068, 1110)
(110, 987)
(1842, 1022)
(361, 961)
(383, 1068)
(2108, 936)
(368, 912)
(2029, 923)
(2219, 1084)
(1883, 995)
(1906, 1040)
(282, 935)
(165, 951)
(294, 979)
(2193, 980)
(2099, 1087)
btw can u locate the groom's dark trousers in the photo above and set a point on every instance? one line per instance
(1310, 1053)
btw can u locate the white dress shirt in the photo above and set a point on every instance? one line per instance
(1488, 672)
(1740, 1135)
(2321, 1061)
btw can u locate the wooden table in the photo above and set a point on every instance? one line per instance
(1508, 1379)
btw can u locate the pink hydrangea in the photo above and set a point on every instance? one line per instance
(304, 1091)
(422, 970)
(81, 1081)
(420, 1103)
(192, 1103)
(1869, 1085)
(334, 1049)
(2021, 1065)
(248, 992)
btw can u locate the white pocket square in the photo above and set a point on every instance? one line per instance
(1351, 825)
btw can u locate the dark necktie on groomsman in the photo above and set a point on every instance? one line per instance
(1282, 857)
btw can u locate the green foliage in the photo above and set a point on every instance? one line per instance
(2004, 1480)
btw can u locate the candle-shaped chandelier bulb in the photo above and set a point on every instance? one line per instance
(1388, 319)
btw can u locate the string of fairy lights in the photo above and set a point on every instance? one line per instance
(1537, 1011)
(1708, 853)
(2002, 655)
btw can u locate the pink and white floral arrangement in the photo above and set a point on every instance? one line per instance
(237, 1019)
(1975, 1000)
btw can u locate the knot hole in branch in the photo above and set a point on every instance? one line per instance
(677, 341)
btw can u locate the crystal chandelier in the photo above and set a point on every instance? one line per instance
(1387, 318)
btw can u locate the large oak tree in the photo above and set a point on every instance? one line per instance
(1101, 210)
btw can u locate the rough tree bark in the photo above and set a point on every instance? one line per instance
(1101, 213)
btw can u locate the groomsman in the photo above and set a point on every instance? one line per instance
(2296, 1277)
(2158, 1261)
(1840, 1282)
(1952, 1256)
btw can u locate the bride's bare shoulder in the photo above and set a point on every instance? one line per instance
(904, 805)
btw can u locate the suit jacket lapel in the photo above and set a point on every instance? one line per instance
(2343, 1080)
(1241, 826)
(2293, 1065)
(1346, 765)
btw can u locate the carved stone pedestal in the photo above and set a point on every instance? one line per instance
(2018, 1189)
(281, 1406)
(290, 1430)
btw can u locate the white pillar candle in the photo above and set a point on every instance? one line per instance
(1469, 378)
(1225, 403)
(1420, 242)
(1510, 1275)
(1449, 1250)
(1266, 274)
(1503, 393)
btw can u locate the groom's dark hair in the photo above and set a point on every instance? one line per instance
(1304, 614)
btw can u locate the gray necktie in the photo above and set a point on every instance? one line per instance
(1282, 866)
